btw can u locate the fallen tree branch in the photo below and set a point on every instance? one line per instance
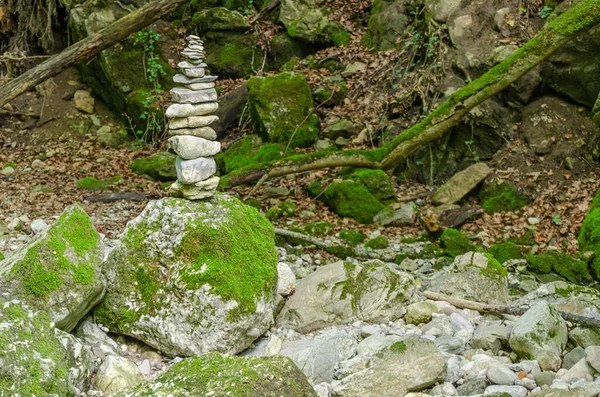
(271, 5)
(88, 47)
(578, 19)
(513, 310)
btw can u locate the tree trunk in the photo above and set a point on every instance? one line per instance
(576, 20)
(88, 47)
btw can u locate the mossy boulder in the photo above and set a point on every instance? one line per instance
(118, 74)
(455, 243)
(34, 362)
(160, 166)
(378, 243)
(284, 49)
(305, 20)
(281, 109)
(189, 277)
(90, 183)
(502, 197)
(564, 265)
(505, 251)
(387, 22)
(219, 18)
(248, 151)
(589, 235)
(376, 181)
(273, 376)
(318, 228)
(59, 271)
(345, 292)
(353, 237)
(353, 200)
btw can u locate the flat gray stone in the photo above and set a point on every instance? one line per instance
(202, 132)
(200, 86)
(573, 357)
(184, 95)
(592, 353)
(179, 78)
(500, 375)
(461, 184)
(197, 191)
(191, 147)
(190, 65)
(196, 170)
(187, 109)
(514, 391)
(194, 72)
(192, 122)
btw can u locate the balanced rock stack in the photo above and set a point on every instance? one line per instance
(189, 120)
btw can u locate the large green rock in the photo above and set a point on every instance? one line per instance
(589, 235)
(353, 200)
(281, 109)
(60, 271)
(376, 181)
(273, 376)
(248, 151)
(305, 20)
(502, 197)
(34, 360)
(118, 74)
(189, 277)
(160, 166)
(387, 23)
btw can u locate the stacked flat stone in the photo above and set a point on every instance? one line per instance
(190, 118)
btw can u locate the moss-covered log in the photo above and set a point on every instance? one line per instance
(576, 20)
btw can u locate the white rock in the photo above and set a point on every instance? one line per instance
(187, 109)
(192, 122)
(202, 132)
(500, 375)
(190, 65)
(196, 170)
(179, 78)
(117, 373)
(592, 353)
(194, 72)
(286, 279)
(191, 147)
(200, 86)
(184, 95)
(38, 226)
(197, 191)
(144, 367)
(514, 391)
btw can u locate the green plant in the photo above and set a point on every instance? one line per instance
(247, 9)
(473, 152)
(545, 12)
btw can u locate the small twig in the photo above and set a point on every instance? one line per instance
(42, 110)
(19, 114)
(258, 184)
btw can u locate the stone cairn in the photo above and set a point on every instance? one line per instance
(189, 119)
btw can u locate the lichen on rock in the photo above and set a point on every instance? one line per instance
(192, 277)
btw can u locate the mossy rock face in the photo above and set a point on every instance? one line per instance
(34, 362)
(318, 228)
(564, 265)
(284, 49)
(248, 151)
(279, 106)
(376, 181)
(119, 71)
(189, 277)
(501, 197)
(353, 237)
(378, 243)
(352, 200)
(589, 235)
(272, 376)
(160, 166)
(455, 243)
(60, 271)
(229, 54)
(89, 183)
(387, 22)
(305, 20)
(505, 251)
(219, 18)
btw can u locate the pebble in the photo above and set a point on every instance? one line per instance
(38, 226)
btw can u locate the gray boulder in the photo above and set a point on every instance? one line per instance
(192, 277)
(491, 337)
(540, 333)
(344, 292)
(473, 276)
(59, 271)
(461, 184)
(214, 374)
(115, 374)
(566, 297)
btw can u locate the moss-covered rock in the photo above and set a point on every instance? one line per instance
(272, 376)
(284, 49)
(279, 106)
(288, 208)
(352, 200)
(305, 20)
(455, 243)
(378, 243)
(353, 237)
(189, 277)
(273, 213)
(59, 271)
(505, 251)
(160, 166)
(387, 22)
(376, 181)
(589, 235)
(574, 270)
(248, 151)
(318, 228)
(315, 189)
(219, 18)
(501, 197)
(89, 183)
(34, 362)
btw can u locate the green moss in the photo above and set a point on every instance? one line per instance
(505, 251)
(526, 239)
(160, 166)
(494, 269)
(562, 264)
(376, 181)
(338, 34)
(502, 197)
(455, 243)
(274, 213)
(1, 256)
(49, 263)
(378, 243)
(540, 263)
(89, 183)
(398, 347)
(248, 151)
(253, 203)
(354, 237)
(219, 18)
(589, 235)
(229, 376)
(281, 109)
(315, 189)
(352, 200)
(231, 54)
(288, 208)
(318, 228)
